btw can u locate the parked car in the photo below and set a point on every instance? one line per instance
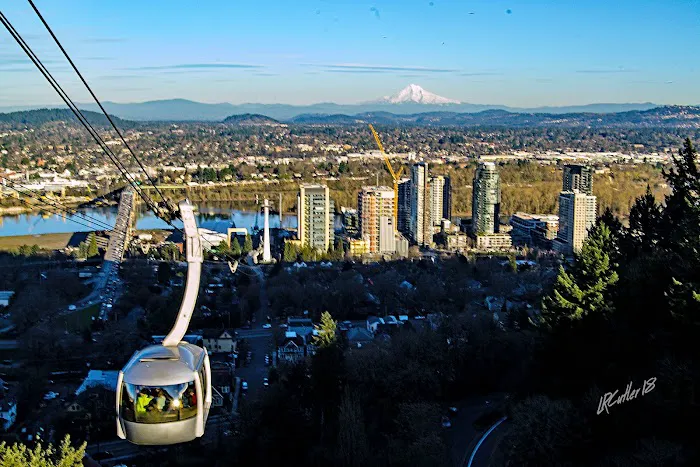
(266, 382)
(266, 326)
(446, 423)
(244, 385)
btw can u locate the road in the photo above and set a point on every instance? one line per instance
(260, 342)
(484, 450)
(110, 287)
(462, 435)
(106, 286)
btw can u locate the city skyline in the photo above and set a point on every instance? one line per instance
(496, 53)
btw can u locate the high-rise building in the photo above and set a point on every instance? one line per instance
(315, 210)
(447, 199)
(387, 235)
(420, 225)
(578, 177)
(374, 203)
(404, 220)
(437, 199)
(486, 199)
(577, 214)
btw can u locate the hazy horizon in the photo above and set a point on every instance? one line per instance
(516, 54)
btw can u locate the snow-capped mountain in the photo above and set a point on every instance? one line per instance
(417, 95)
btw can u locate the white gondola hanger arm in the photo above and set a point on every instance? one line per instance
(195, 257)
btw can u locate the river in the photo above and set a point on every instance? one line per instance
(211, 215)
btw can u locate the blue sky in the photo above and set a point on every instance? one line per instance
(517, 52)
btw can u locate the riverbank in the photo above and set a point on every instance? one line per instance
(40, 206)
(52, 241)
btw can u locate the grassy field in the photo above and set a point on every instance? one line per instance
(52, 241)
(81, 319)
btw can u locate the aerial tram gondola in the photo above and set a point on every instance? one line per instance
(164, 391)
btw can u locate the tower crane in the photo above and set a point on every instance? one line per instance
(396, 176)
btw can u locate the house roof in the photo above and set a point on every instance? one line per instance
(6, 294)
(217, 334)
(96, 378)
(359, 335)
(299, 321)
(293, 343)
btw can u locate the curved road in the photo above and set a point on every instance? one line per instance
(486, 447)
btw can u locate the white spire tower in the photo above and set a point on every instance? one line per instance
(267, 257)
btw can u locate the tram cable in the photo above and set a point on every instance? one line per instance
(65, 209)
(78, 114)
(97, 101)
(34, 205)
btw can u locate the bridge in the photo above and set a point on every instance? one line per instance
(107, 284)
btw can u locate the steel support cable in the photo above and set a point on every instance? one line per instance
(70, 216)
(87, 86)
(91, 227)
(35, 194)
(71, 105)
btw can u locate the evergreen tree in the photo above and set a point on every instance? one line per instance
(616, 232)
(682, 212)
(92, 247)
(247, 244)
(236, 247)
(290, 253)
(353, 448)
(681, 235)
(643, 232)
(587, 288)
(82, 250)
(326, 331)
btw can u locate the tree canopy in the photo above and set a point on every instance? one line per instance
(19, 455)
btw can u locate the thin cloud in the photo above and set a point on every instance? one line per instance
(105, 40)
(107, 77)
(606, 71)
(481, 73)
(21, 60)
(380, 68)
(13, 61)
(356, 71)
(29, 69)
(266, 74)
(198, 66)
(96, 59)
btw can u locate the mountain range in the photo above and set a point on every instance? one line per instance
(409, 101)
(658, 117)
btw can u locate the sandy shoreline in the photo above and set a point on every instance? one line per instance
(50, 241)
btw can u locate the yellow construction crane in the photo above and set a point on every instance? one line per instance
(396, 176)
